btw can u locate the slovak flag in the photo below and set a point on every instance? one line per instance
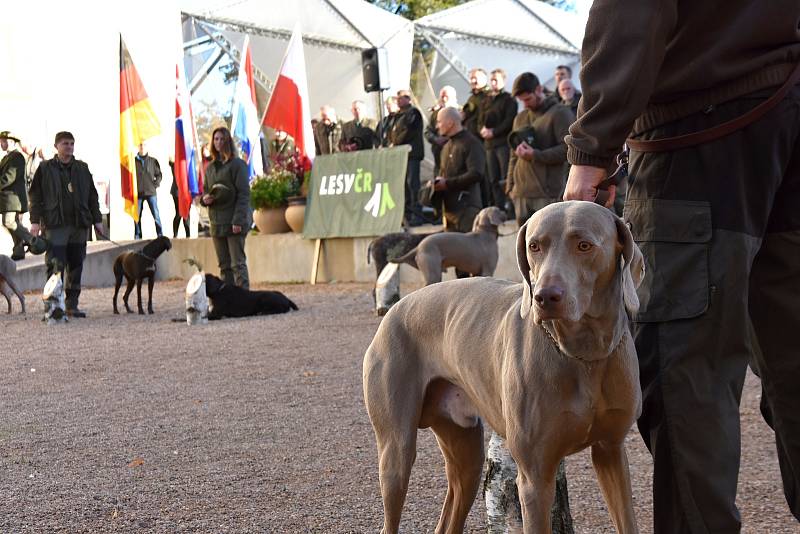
(185, 171)
(245, 124)
(288, 108)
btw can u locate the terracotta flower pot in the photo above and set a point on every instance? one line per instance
(271, 220)
(296, 213)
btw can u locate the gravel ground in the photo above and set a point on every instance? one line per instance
(138, 424)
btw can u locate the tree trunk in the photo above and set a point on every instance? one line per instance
(503, 513)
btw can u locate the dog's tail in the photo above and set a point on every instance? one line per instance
(196, 264)
(409, 257)
(292, 305)
(369, 250)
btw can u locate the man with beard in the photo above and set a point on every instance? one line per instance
(537, 172)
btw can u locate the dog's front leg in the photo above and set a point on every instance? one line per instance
(150, 281)
(536, 484)
(611, 465)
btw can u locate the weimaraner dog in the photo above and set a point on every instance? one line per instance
(8, 269)
(474, 252)
(549, 364)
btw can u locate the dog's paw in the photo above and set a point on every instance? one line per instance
(141, 312)
(150, 312)
(116, 312)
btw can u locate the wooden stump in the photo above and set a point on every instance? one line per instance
(387, 288)
(503, 513)
(196, 300)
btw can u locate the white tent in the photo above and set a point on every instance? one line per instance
(334, 34)
(515, 35)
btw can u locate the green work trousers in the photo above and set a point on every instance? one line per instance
(719, 226)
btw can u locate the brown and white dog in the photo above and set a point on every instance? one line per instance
(549, 364)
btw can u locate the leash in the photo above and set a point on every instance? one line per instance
(613, 179)
(668, 144)
(129, 247)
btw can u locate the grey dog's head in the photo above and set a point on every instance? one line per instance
(568, 253)
(487, 218)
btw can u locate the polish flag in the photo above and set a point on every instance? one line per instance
(185, 169)
(244, 124)
(288, 108)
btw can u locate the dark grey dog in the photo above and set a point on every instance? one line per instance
(384, 249)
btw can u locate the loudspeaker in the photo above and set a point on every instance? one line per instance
(375, 68)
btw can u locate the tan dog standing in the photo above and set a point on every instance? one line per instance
(474, 252)
(549, 364)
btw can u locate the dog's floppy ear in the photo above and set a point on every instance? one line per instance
(631, 265)
(525, 271)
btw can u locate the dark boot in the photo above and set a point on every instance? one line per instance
(18, 252)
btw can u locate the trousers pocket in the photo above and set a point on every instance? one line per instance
(674, 238)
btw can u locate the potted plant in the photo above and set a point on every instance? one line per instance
(299, 167)
(268, 197)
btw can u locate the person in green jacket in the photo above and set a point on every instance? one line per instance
(13, 193)
(226, 191)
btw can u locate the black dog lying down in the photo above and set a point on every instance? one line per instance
(228, 300)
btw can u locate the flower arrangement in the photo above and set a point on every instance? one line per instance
(287, 177)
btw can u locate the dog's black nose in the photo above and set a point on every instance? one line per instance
(548, 295)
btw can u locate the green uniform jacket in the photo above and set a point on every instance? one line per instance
(498, 114)
(222, 215)
(361, 133)
(463, 168)
(47, 195)
(473, 111)
(545, 175)
(13, 194)
(407, 130)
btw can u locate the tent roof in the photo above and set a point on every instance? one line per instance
(526, 23)
(353, 24)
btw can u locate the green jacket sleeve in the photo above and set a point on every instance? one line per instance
(9, 174)
(241, 182)
(35, 195)
(556, 155)
(623, 50)
(156, 172)
(94, 204)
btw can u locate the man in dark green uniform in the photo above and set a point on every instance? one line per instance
(463, 164)
(359, 133)
(718, 222)
(64, 205)
(13, 193)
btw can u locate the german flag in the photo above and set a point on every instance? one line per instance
(137, 122)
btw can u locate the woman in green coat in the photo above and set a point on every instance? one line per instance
(226, 191)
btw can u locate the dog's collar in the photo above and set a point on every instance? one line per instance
(572, 356)
(140, 253)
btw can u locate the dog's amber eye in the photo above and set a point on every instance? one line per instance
(534, 246)
(584, 246)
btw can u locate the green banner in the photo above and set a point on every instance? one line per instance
(353, 194)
